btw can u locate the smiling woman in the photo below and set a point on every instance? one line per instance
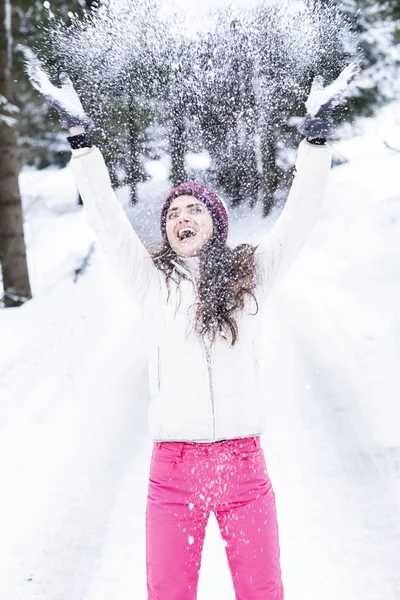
(194, 224)
(201, 299)
(189, 226)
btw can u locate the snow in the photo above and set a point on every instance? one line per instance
(336, 90)
(152, 37)
(8, 106)
(9, 121)
(10, 109)
(74, 450)
(63, 97)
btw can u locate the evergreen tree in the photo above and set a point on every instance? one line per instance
(14, 268)
(236, 89)
(41, 139)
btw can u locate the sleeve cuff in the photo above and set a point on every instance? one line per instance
(80, 141)
(317, 141)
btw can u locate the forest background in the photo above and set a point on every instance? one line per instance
(236, 94)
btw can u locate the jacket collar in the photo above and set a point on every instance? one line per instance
(183, 270)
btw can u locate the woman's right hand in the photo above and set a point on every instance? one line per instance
(322, 100)
(64, 99)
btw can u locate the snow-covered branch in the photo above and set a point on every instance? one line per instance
(7, 112)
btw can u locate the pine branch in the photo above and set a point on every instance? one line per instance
(86, 261)
(389, 147)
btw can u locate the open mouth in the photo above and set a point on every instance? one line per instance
(186, 233)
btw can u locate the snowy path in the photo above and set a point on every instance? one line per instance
(62, 467)
(338, 485)
(73, 455)
(73, 486)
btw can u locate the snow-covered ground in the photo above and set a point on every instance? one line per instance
(74, 450)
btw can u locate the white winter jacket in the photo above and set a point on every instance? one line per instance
(199, 393)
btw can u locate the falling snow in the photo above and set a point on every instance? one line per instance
(329, 447)
(123, 49)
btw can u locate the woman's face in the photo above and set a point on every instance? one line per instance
(189, 225)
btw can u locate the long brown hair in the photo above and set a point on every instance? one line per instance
(227, 278)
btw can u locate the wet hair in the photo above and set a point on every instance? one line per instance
(227, 279)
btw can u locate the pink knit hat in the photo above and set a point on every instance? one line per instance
(215, 205)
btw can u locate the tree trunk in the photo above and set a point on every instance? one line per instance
(253, 175)
(270, 174)
(12, 244)
(177, 145)
(236, 170)
(134, 174)
(250, 177)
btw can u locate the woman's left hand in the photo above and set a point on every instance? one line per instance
(321, 101)
(64, 99)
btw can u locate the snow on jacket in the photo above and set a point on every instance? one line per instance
(200, 393)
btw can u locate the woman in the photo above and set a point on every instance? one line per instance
(203, 304)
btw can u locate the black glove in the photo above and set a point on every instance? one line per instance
(321, 101)
(64, 99)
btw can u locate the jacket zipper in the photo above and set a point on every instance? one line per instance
(208, 355)
(256, 365)
(158, 370)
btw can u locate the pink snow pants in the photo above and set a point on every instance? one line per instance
(187, 481)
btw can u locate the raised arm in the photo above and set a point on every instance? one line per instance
(313, 164)
(300, 213)
(105, 215)
(113, 230)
